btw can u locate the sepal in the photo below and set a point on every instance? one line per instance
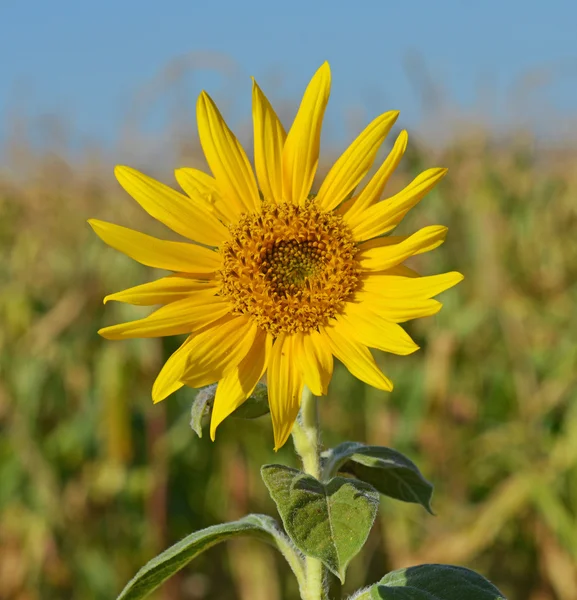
(256, 405)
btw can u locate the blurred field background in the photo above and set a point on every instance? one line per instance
(95, 480)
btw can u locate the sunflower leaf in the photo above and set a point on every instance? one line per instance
(387, 470)
(160, 568)
(256, 405)
(432, 582)
(329, 521)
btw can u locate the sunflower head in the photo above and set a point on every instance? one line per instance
(274, 279)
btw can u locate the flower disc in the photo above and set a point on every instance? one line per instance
(291, 268)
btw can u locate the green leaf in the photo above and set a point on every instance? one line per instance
(329, 521)
(159, 569)
(256, 405)
(387, 470)
(432, 582)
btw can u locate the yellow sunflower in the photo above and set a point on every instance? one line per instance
(278, 280)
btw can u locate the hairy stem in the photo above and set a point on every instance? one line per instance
(306, 440)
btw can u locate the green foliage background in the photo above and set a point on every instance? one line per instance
(95, 480)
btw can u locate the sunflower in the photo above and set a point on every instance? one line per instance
(278, 280)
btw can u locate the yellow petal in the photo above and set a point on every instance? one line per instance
(226, 158)
(316, 362)
(269, 138)
(217, 350)
(152, 252)
(185, 216)
(285, 386)
(202, 187)
(380, 242)
(346, 206)
(238, 384)
(402, 271)
(392, 240)
(301, 150)
(374, 188)
(183, 316)
(356, 357)
(387, 256)
(168, 380)
(371, 329)
(391, 286)
(398, 310)
(386, 215)
(162, 291)
(355, 162)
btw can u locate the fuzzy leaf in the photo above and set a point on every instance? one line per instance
(160, 568)
(329, 521)
(387, 470)
(432, 582)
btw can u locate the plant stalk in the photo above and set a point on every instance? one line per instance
(306, 441)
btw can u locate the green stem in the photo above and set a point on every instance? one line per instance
(306, 440)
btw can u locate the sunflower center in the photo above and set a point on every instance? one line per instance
(288, 264)
(291, 268)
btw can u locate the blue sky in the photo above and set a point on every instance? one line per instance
(89, 61)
